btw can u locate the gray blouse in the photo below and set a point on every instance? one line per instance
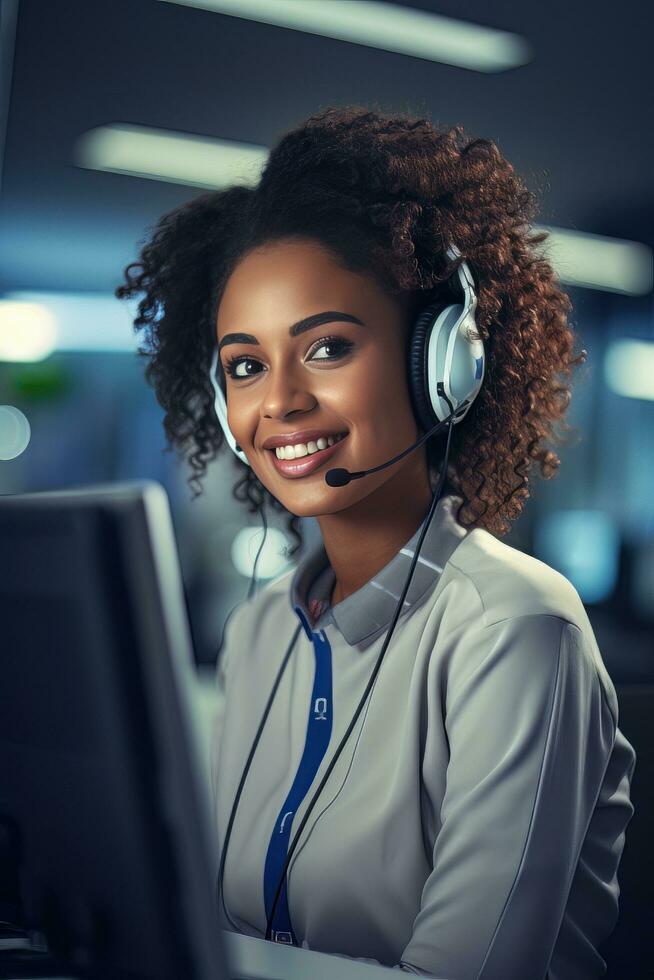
(473, 824)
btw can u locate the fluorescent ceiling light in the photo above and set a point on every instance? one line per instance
(27, 330)
(65, 321)
(598, 262)
(629, 368)
(579, 258)
(165, 155)
(387, 26)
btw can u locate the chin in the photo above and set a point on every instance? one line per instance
(321, 501)
(318, 510)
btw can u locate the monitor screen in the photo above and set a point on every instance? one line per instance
(107, 859)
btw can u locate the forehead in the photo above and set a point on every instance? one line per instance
(279, 283)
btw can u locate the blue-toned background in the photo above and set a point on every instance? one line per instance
(113, 112)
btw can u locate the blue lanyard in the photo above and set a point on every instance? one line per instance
(319, 730)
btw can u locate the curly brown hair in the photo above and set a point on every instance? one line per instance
(385, 193)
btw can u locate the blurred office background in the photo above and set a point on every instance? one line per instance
(115, 111)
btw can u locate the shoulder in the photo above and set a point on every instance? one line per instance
(262, 615)
(506, 583)
(508, 608)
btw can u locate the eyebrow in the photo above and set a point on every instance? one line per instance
(315, 320)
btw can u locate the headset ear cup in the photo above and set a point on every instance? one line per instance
(417, 367)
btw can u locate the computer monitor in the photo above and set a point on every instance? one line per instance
(107, 859)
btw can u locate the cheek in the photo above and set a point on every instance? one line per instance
(383, 402)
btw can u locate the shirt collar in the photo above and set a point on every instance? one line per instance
(370, 609)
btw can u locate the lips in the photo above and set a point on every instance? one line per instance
(299, 436)
(293, 468)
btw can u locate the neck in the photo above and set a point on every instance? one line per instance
(362, 539)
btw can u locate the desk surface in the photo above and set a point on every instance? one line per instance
(257, 959)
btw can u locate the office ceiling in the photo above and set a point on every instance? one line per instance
(576, 121)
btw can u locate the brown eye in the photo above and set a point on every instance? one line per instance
(338, 345)
(232, 367)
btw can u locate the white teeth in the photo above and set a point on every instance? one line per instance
(301, 449)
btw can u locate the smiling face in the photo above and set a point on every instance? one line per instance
(338, 374)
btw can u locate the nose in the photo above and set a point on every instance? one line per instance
(284, 394)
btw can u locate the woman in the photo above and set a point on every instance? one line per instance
(457, 722)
